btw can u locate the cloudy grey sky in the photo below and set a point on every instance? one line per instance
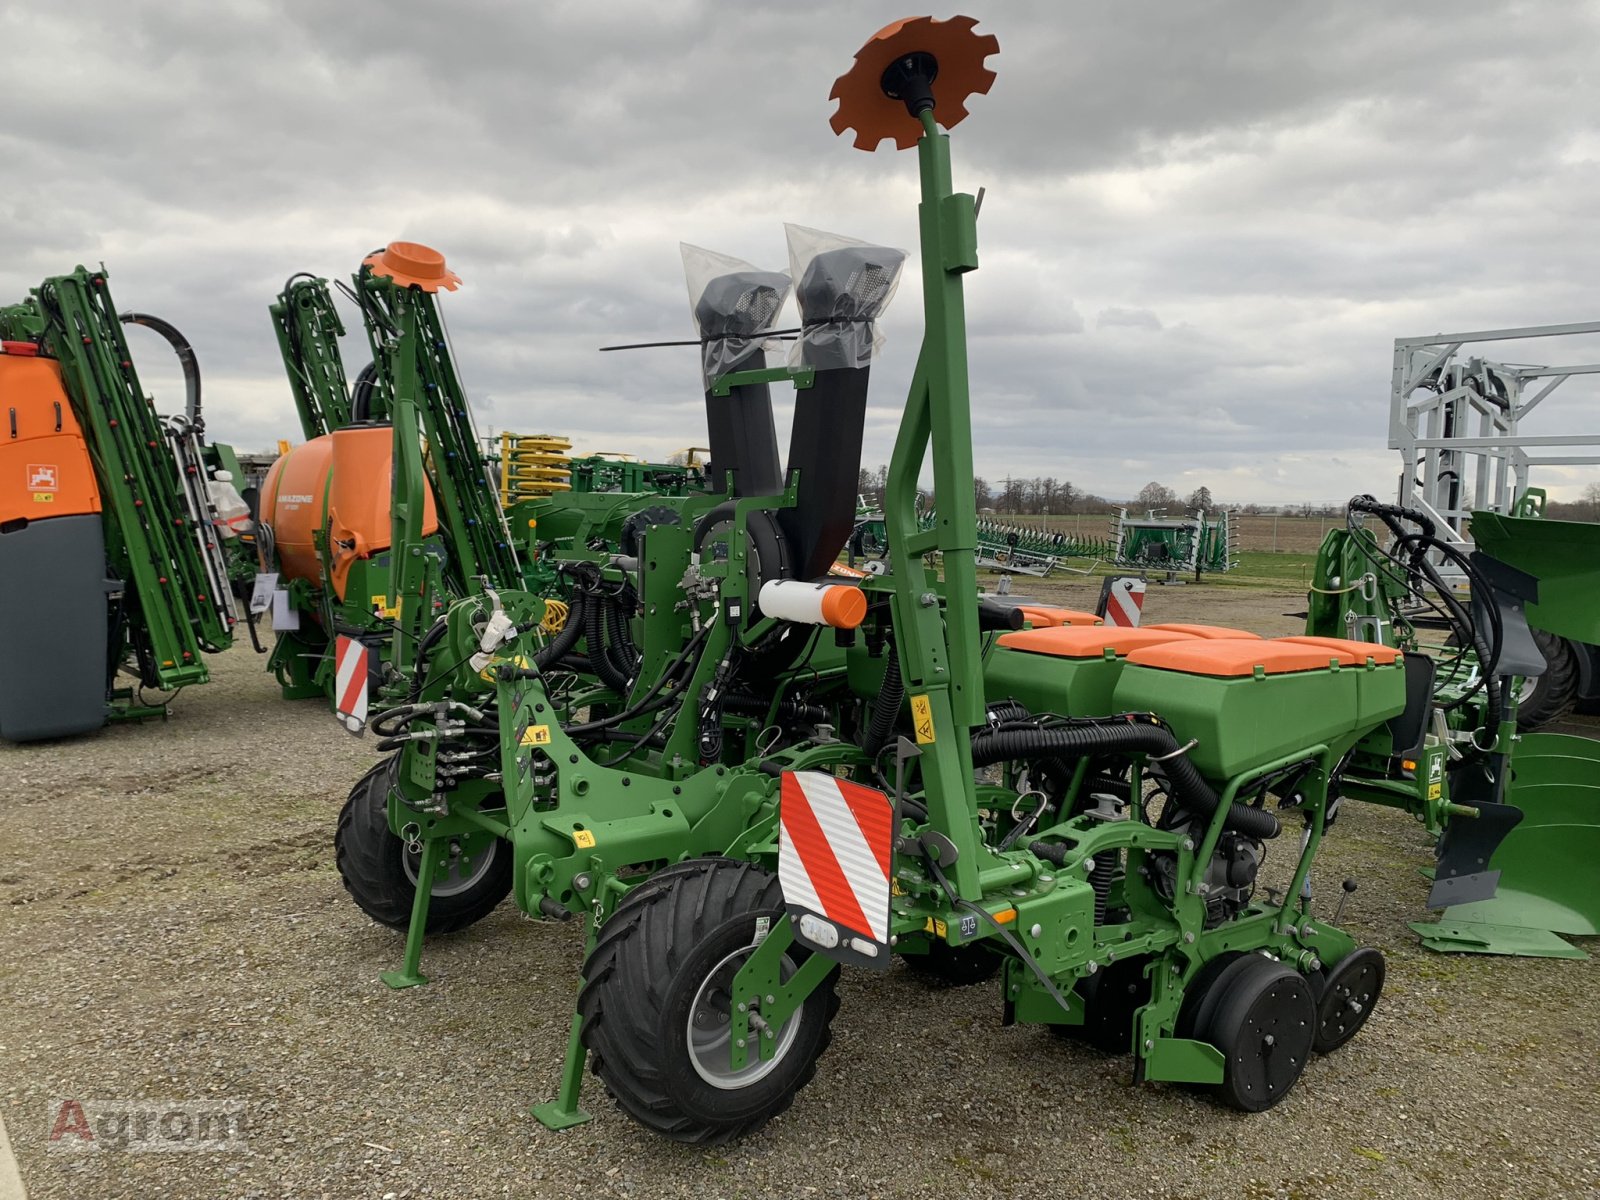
(1205, 221)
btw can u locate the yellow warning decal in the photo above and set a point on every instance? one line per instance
(44, 497)
(922, 719)
(539, 735)
(935, 926)
(895, 889)
(380, 607)
(583, 839)
(1435, 790)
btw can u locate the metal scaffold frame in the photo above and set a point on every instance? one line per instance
(1460, 441)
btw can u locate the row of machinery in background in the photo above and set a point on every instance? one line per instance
(537, 466)
(1201, 544)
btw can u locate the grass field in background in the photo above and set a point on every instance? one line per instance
(1266, 533)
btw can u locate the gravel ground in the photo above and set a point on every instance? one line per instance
(174, 929)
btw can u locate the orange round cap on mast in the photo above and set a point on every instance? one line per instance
(870, 103)
(412, 264)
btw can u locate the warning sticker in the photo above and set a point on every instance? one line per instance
(537, 735)
(922, 719)
(380, 608)
(1435, 791)
(583, 839)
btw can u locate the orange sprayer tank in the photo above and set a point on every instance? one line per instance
(44, 464)
(345, 479)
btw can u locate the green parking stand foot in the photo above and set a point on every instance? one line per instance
(563, 1112)
(555, 1115)
(403, 979)
(410, 973)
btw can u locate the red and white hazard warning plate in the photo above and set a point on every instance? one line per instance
(1122, 601)
(350, 684)
(835, 852)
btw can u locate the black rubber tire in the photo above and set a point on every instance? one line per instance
(955, 966)
(1346, 993)
(1264, 1024)
(1111, 997)
(371, 862)
(640, 983)
(1551, 695)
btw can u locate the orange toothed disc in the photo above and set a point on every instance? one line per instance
(414, 265)
(874, 116)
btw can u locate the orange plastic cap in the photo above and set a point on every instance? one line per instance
(411, 264)
(844, 607)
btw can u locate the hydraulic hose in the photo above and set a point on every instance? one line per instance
(595, 630)
(886, 711)
(1002, 711)
(1418, 546)
(1189, 788)
(186, 358)
(424, 644)
(559, 646)
(361, 393)
(790, 708)
(619, 642)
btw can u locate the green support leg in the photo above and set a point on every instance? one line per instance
(563, 1112)
(410, 973)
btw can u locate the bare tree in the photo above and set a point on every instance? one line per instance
(1155, 495)
(980, 493)
(1199, 499)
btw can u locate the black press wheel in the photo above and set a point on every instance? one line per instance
(1264, 1023)
(955, 966)
(380, 873)
(1346, 994)
(1201, 996)
(656, 1005)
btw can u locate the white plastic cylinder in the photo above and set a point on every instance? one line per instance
(839, 605)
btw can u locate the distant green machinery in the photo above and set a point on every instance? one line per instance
(117, 525)
(742, 776)
(1197, 545)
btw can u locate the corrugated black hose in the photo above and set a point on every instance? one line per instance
(1189, 788)
(557, 647)
(887, 709)
(595, 631)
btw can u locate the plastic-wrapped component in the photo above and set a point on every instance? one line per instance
(732, 303)
(844, 287)
(233, 514)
